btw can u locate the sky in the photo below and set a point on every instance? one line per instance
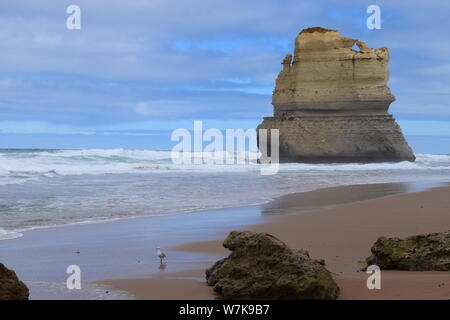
(143, 65)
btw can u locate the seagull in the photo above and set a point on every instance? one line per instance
(160, 254)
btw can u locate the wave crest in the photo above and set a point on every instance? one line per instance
(22, 166)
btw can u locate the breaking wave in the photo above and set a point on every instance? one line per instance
(17, 166)
(45, 188)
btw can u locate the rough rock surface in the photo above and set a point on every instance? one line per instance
(11, 288)
(420, 253)
(262, 267)
(331, 102)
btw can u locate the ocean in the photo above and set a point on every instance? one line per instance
(47, 188)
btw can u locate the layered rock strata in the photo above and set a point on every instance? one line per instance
(331, 102)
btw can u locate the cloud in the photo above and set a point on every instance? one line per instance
(438, 70)
(166, 60)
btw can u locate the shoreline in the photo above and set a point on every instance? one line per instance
(408, 187)
(342, 250)
(120, 254)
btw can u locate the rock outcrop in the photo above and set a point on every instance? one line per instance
(11, 288)
(331, 102)
(420, 253)
(262, 267)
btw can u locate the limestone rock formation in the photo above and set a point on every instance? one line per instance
(331, 103)
(262, 267)
(420, 253)
(11, 288)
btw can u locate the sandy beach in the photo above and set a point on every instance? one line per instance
(337, 224)
(341, 234)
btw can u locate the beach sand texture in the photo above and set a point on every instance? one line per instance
(342, 235)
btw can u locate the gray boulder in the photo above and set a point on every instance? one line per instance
(11, 288)
(420, 252)
(262, 267)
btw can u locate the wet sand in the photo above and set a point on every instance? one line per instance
(341, 233)
(337, 224)
(343, 236)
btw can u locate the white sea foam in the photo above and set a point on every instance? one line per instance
(7, 235)
(20, 167)
(45, 188)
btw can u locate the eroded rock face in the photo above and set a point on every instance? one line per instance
(331, 101)
(262, 267)
(420, 253)
(11, 288)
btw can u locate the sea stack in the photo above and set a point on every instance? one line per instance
(331, 103)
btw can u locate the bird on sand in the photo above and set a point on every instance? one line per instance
(160, 254)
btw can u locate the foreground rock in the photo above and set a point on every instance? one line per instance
(11, 288)
(262, 267)
(331, 102)
(420, 253)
